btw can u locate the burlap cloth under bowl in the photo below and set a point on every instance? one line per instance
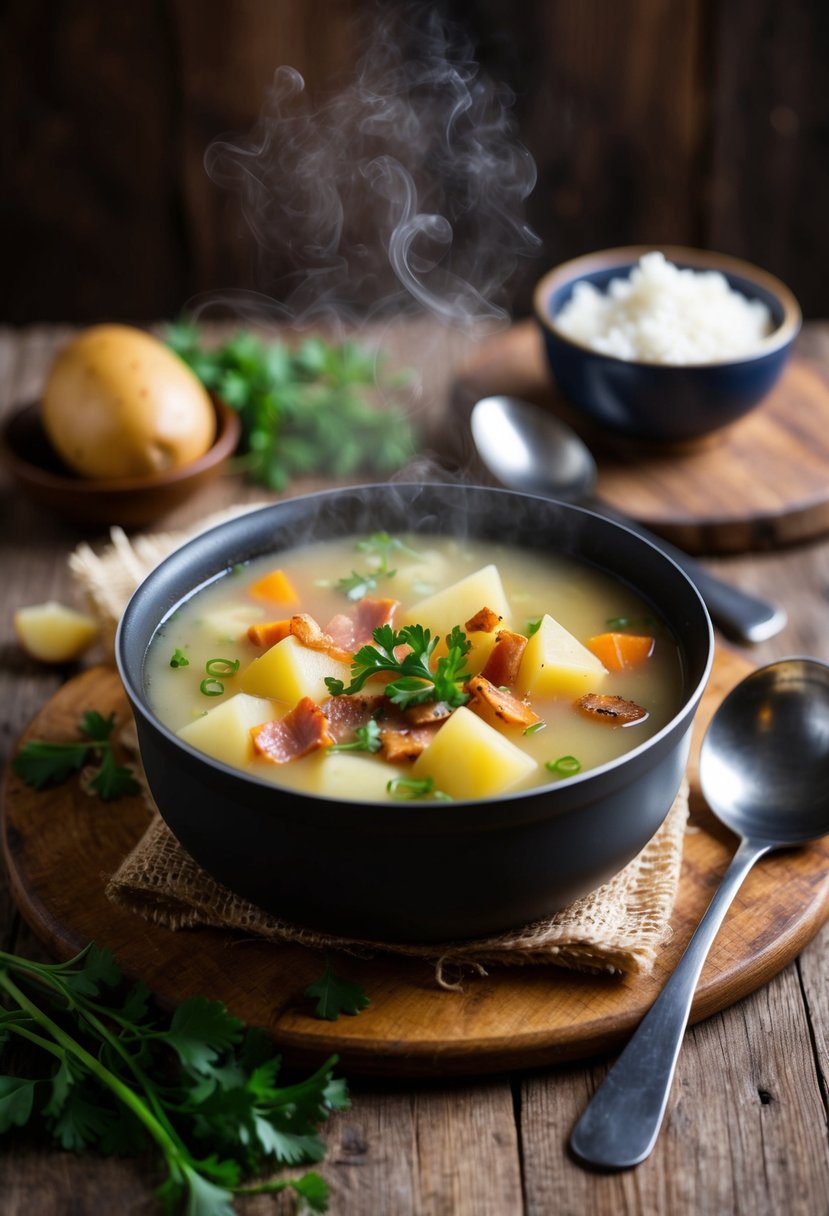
(617, 928)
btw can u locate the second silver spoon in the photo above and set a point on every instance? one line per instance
(528, 449)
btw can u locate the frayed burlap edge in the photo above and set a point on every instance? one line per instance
(107, 579)
(617, 928)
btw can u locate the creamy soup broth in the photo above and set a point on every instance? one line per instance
(586, 602)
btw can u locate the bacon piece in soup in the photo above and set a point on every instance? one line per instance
(304, 729)
(497, 706)
(614, 711)
(504, 662)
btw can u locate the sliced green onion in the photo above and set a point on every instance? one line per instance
(618, 622)
(533, 627)
(366, 739)
(412, 787)
(179, 659)
(535, 728)
(211, 687)
(566, 765)
(222, 667)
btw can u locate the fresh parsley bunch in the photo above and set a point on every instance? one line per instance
(201, 1085)
(306, 410)
(415, 682)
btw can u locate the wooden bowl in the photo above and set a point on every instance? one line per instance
(130, 502)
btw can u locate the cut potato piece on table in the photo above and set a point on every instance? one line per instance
(469, 759)
(290, 671)
(556, 664)
(456, 604)
(53, 633)
(224, 731)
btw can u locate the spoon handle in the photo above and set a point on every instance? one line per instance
(622, 1121)
(741, 616)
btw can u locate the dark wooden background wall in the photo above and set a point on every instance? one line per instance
(704, 122)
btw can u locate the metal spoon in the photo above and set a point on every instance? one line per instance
(764, 771)
(528, 449)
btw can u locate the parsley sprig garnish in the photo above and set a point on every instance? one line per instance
(415, 682)
(381, 546)
(115, 1075)
(41, 763)
(366, 739)
(313, 409)
(407, 788)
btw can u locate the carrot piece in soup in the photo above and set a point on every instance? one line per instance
(275, 588)
(268, 633)
(304, 729)
(620, 651)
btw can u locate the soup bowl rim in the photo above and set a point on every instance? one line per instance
(568, 791)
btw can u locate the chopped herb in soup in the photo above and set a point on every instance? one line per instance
(384, 668)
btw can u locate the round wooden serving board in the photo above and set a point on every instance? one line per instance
(758, 484)
(61, 844)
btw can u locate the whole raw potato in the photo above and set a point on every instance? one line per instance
(118, 404)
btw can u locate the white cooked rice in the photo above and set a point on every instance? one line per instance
(662, 314)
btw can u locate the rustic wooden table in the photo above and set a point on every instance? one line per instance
(746, 1130)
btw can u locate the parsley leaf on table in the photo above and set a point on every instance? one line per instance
(336, 995)
(41, 763)
(203, 1087)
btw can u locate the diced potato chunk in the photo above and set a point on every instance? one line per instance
(481, 645)
(290, 671)
(481, 649)
(224, 731)
(230, 624)
(346, 776)
(456, 604)
(53, 633)
(470, 759)
(556, 664)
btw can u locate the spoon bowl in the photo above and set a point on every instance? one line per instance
(764, 771)
(764, 762)
(526, 448)
(532, 451)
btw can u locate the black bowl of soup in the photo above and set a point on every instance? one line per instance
(415, 712)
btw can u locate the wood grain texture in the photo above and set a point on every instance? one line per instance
(692, 122)
(59, 842)
(745, 1093)
(760, 483)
